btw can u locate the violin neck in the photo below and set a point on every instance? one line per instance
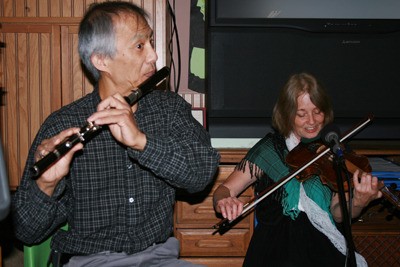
(395, 200)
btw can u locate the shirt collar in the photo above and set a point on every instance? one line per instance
(292, 141)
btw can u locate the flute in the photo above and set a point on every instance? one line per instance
(88, 131)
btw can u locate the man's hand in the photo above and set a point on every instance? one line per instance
(115, 112)
(49, 179)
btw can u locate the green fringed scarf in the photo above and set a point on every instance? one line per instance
(265, 157)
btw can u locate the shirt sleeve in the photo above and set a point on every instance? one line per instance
(36, 215)
(184, 157)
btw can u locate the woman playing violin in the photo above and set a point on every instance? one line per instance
(285, 234)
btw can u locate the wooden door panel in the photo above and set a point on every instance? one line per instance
(75, 83)
(31, 79)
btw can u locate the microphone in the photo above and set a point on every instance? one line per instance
(330, 137)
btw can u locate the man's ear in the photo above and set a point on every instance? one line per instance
(100, 62)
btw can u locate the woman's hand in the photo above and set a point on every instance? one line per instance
(225, 196)
(366, 189)
(230, 207)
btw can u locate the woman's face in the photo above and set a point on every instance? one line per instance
(309, 119)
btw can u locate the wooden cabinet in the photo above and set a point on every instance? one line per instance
(194, 220)
(40, 69)
(376, 233)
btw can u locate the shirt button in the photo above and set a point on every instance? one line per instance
(131, 200)
(129, 166)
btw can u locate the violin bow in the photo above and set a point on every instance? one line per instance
(225, 224)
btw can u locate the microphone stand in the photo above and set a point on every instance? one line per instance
(339, 165)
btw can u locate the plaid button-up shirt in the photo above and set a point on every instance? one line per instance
(115, 198)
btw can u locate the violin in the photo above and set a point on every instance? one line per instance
(317, 154)
(324, 167)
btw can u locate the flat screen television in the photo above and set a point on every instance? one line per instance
(253, 46)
